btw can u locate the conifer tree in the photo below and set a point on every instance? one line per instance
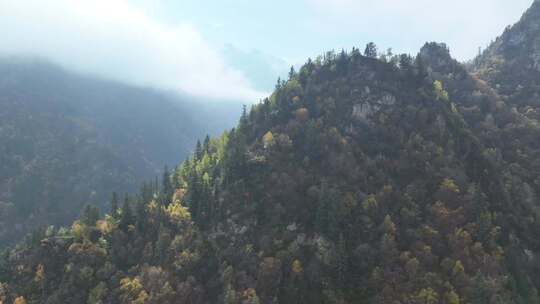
(341, 63)
(198, 150)
(176, 178)
(206, 144)
(127, 214)
(421, 69)
(141, 215)
(155, 190)
(292, 73)
(242, 125)
(167, 188)
(278, 84)
(235, 152)
(90, 215)
(371, 50)
(114, 205)
(146, 192)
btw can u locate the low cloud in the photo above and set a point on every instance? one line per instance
(115, 39)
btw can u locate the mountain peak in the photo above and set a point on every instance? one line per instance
(439, 62)
(511, 64)
(527, 27)
(436, 55)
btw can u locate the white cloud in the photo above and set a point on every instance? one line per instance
(463, 24)
(115, 39)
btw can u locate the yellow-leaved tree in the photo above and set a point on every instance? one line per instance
(268, 139)
(19, 300)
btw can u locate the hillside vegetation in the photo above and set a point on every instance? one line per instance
(67, 140)
(363, 178)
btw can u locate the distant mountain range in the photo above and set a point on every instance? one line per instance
(68, 140)
(261, 69)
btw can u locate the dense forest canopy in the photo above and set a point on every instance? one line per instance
(365, 177)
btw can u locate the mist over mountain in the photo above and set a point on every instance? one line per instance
(365, 177)
(120, 41)
(263, 70)
(67, 140)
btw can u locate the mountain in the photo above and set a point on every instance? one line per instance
(263, 69)
(361, 179)
(68, 140)
(511, 67)
(511, 64)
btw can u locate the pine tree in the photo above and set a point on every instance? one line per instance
(292, 73)
(355, 53)
(141, 215)
(206, 144)
(193, 196)
(242, 125)
(421, 70)
(176, 180)
(406, 65)
(127, 215)
(114, 205)
(155, 190)
(371, 50)
(341, 63)
(167, 188)
(198, 150)
(90, 215)
(146, 192)
(234, 160)
(278, 84)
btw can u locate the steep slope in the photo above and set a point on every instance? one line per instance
(511, 64)
(67, 140)
(360, 180)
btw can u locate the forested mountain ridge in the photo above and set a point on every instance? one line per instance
(67, 140)
(511, 64)
(363, 178)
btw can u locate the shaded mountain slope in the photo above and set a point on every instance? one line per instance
(511, 65)
(67, 140)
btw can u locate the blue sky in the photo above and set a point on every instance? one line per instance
(294, 30)
(235, 49)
